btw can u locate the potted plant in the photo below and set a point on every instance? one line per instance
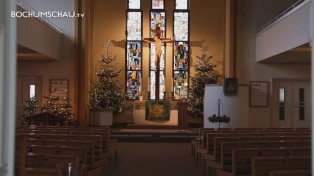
(105, 97)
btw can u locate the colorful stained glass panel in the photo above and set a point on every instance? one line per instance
(181, 56)
(181, 4)
(134, 4)
(134, 26)
(180, 88)
(181, 26)
(158, 19)
(152, 85)
(158, 4)
(134, 56)
(134, 84)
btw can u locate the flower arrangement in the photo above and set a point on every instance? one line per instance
(221, 119)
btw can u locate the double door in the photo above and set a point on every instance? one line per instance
(291, 103)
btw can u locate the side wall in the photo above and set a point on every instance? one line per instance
(253, 14)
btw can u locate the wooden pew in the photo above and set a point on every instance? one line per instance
(93, 148)
(230, 161)
(262, 166)
(290, 173)
(93, 162)
(241, 158)
(300, 151)
(80, 152)
(42, 171)
(108, 148)
(47, 161)
(198, 141)
(97, 160)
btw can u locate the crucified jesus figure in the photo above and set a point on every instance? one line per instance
(158, 44)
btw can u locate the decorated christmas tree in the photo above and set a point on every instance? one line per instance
(31, 107)
(105, 90)
(66, 110)
(51, 104)
(60, 107)
(205, 73)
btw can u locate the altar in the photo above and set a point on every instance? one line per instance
(142, 116)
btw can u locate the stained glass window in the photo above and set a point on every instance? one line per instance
(152, 85)
(134, 4)
(181, 51)
(158, 4)
(157, 20)
(181, 56)
(134, 84)
(181, 26)
(133, 49)
(180, 84)
(134, 26)
(181, 5)
(134, 55)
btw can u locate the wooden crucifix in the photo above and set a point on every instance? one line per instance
(157, 40)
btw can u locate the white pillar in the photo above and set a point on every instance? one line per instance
(7, 84)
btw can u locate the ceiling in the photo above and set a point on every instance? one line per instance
(26, 54)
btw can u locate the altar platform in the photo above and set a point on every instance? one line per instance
(154, 135)
(139, 114)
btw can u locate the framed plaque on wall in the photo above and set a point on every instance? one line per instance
(59, 87)
(259, 94)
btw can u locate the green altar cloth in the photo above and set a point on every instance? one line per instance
(157, 110)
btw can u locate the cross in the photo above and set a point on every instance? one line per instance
(157, 40)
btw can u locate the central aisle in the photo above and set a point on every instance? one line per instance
(155, 159)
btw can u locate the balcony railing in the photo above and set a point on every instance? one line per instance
(286, 12)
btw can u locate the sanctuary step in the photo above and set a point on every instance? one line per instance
(153, 135)
(133, 126)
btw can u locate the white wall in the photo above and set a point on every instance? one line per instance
(236, 107)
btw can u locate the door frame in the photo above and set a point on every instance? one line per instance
(273, 91)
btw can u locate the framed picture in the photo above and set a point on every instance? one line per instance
(230, 86)
(59, 87)
(258, 94)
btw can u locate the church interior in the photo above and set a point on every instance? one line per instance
(156, 87)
